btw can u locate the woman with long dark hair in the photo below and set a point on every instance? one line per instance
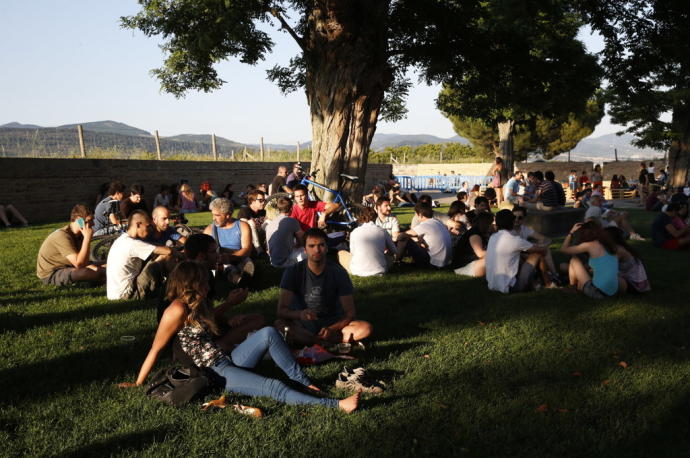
(630, 266)
(193, 319)
(597, 244)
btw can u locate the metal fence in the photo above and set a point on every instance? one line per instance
(440, 182)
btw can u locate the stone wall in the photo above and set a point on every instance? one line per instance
(630, 169)
(560, 169)
(46, 189)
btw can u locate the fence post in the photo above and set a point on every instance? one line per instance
(245, 152)
(298, 151)
(262, 149)
(158, 145)
(80, 132)
(213, 147)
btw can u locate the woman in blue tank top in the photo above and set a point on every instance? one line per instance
(595, 242)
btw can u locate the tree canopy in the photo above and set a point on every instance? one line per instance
(647, 57)
(548, 135)
(535, 68)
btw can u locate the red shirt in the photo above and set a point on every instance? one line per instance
(307, 215)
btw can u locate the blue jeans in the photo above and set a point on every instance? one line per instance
(248, 354)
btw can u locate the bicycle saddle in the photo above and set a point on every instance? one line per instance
(349, 177)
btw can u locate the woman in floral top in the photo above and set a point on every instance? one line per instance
(195, 323)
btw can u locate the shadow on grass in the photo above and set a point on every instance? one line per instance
(121, 443)
(57, 375)
(17, 322)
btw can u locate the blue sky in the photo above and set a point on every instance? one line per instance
(68, 61)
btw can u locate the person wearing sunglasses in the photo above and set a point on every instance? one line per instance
(255, 215)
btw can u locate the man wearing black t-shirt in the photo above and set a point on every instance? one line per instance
(315, 302)
(255, 215)
(278, 183)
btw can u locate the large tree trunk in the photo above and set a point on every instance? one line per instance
(505, 147)
(679, 154)
(347, 76)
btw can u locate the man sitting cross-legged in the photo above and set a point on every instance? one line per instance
(203, 249)
(665, 234)
(433, 245)
(162, 234)
(64, 255)
(315, 302)
(126, 277)
(529, 234)
(233, 236)
(506, 270)
(284, 237)
(371, 248)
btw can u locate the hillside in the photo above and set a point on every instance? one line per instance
(18, 139)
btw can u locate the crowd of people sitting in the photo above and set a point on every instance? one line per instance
(315, 305)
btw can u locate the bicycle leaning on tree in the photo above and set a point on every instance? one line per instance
(345, 219)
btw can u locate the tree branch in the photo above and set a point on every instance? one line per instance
(291, 31)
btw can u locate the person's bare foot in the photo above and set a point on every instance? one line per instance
(349, 404)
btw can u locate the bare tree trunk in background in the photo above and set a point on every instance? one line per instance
(679, 154)
(505, 147)
(347, 76)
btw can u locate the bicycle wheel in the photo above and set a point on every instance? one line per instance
(99, 250)
(183, 230)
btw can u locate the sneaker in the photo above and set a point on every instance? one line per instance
(249, 411)
(357, 380)
(636, 236)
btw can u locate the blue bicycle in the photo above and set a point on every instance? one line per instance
(344, 219)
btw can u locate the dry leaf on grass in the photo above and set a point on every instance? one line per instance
(481, 323)
(542, 408)
(623, 364)
(605, 382)
(561, 410)
(441, 405)
(577, 374)
(220, 403)
(425, 356)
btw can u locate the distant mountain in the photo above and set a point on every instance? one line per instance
(16, 125)
(108, 127)
(381, 141)
(599, 149)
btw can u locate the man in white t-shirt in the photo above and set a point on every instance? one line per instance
(606, 218)
(506, 270)
(529, 234)
(284, 237)
(371, 248)
(433, 245)
(125, 277)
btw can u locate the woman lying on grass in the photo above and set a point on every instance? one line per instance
(596, 243)
(192, 319)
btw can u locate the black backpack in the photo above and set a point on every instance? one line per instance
(177, 386)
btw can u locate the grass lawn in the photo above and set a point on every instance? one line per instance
(470, 372)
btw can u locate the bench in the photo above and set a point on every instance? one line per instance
(554, 223)
(620, 193)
